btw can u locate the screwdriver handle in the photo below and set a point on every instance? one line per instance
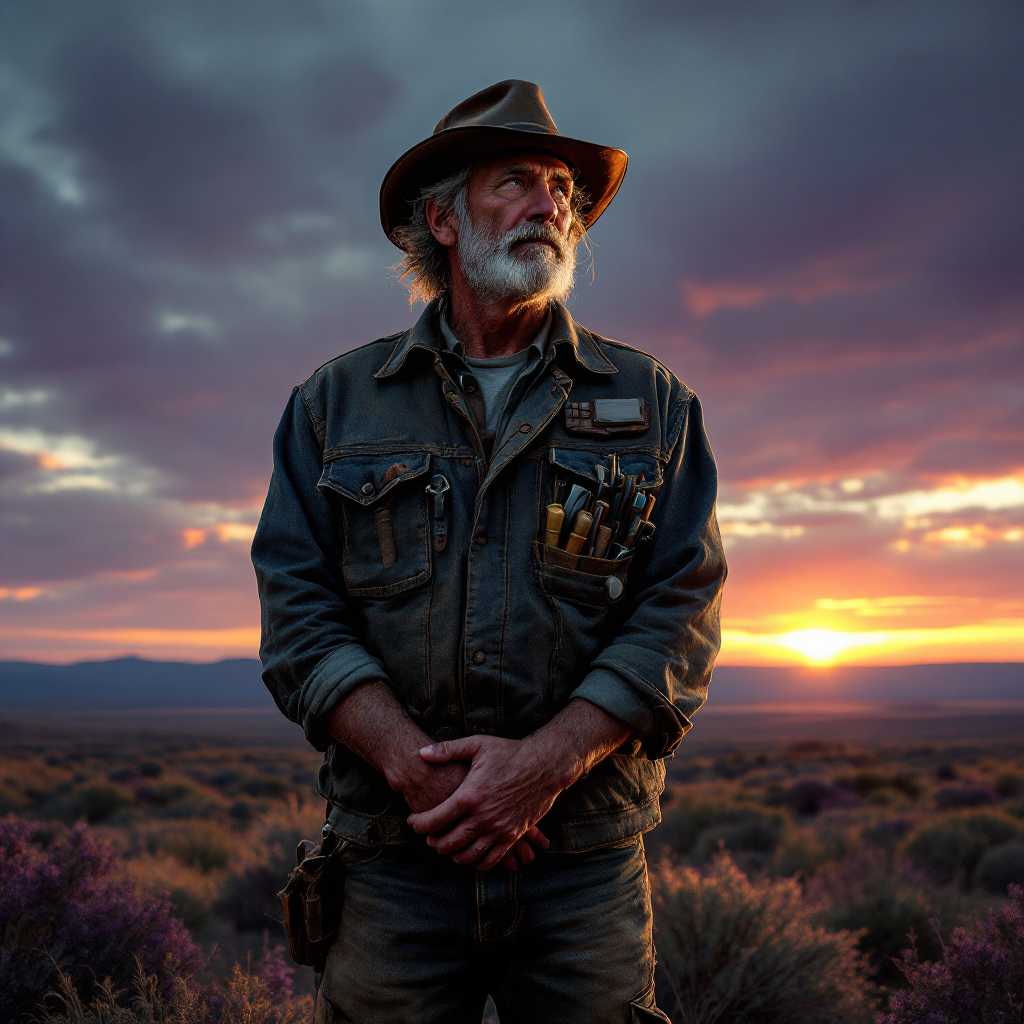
(553, 525)
(578, 536)
(604, 536)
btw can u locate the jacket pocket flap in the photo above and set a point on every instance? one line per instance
(582, 463)
(361, 478)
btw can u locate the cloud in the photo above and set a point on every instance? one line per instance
(24, 121)
(189, 323)
(11, 399)
(820, 232)
(991, 495)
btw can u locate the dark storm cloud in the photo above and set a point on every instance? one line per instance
(820, 231)
(182, 168)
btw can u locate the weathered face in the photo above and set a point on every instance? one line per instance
(514, 239)
(521, 189)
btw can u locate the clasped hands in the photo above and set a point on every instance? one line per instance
(487, 813)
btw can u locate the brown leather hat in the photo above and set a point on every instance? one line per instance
(509, 115)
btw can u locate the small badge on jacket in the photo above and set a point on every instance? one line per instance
(607, 417)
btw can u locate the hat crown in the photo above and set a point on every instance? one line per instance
(509, 104)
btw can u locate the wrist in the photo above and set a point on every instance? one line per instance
(556, 762)
(403, 766)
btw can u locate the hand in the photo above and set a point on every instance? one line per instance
(510, 786)
(426, 785)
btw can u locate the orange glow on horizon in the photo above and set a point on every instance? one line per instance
(993, 641)
(70, 645)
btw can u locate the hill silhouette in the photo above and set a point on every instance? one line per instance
(137, 683)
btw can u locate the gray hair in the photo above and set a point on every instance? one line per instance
(424, 270)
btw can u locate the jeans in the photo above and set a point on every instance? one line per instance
(567, 938)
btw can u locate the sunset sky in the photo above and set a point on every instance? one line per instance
(821, 232)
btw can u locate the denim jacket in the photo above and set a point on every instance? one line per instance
(485, 635)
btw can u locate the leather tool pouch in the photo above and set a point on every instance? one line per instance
(312, 898)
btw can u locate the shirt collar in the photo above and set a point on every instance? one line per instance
(563, 332)
(537, 346)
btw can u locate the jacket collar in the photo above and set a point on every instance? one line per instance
(565, 335)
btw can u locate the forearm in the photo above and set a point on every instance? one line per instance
(312, 654)
(576, 739)
(371, 723)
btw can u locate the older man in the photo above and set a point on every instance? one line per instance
(490, 574)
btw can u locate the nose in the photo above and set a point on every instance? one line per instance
(542, 208)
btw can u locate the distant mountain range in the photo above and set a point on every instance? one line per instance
(134, 683)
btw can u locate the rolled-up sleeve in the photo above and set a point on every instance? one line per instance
(311, 654)
(668, 633)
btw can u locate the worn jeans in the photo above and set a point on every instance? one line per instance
(567, 939)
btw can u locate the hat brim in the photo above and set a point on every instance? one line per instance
(600, 168)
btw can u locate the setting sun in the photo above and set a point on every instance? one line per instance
(820, 646)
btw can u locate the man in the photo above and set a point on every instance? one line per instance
(490, 575)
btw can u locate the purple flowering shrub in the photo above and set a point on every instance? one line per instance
(62, 910)
(979, 980)
(882, 902)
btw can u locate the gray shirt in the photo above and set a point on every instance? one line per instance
(503, 378)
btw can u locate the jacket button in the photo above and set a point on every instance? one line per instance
(479, 658)
(613, 587)
(368, 488)
(525, 428)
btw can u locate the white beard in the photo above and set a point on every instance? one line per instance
(496, 268)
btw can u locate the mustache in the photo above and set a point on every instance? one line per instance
(536, 232)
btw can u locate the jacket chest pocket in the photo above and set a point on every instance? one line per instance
(602, 490)
(384, 520)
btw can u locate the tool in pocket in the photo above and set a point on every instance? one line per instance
(601, 524)
(437, 489)
(382, 519)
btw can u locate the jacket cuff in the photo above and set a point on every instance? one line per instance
(334, 678)
(611, 693)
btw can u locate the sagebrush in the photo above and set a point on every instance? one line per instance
(730, 950)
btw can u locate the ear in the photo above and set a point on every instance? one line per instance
(443, 224)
